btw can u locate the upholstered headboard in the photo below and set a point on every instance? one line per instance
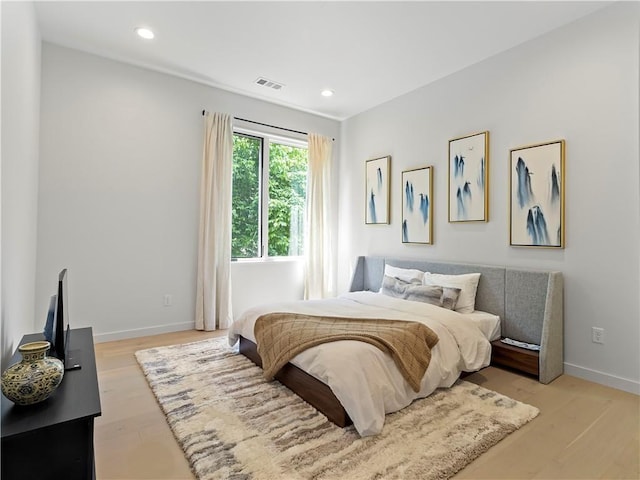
(528, 302)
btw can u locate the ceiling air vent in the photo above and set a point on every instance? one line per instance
(269, 83)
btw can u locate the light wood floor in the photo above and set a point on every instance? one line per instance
(584, 430)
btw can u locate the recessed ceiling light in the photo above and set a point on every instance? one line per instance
(326, 92)
(145, 33)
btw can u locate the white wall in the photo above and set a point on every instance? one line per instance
(254, 284)
(121, 149)
(20, 123)
(579, 83)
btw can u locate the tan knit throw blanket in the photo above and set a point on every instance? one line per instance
(281, 336)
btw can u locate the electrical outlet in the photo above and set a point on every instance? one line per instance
(168, 300)
(597, 335)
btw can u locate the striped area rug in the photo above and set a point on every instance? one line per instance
(232, 424)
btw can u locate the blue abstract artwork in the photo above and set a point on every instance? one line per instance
(536, 199)
(417, 205)
(468, 158)
(377, 190)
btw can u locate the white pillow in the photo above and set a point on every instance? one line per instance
(409, 275)
(467, 283)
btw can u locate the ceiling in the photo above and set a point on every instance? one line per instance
(367, 52)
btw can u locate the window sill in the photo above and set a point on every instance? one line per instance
(267, 260)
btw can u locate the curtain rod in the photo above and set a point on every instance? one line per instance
(268, 125)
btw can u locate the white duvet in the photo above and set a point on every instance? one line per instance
(366, 380)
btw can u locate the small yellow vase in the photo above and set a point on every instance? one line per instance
(35, 377)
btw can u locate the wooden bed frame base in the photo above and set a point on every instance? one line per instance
(309, 388)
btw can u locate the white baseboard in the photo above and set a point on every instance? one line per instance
(602, 378)
(142, 332)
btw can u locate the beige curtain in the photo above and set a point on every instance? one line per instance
(213, 290)
(318, 264)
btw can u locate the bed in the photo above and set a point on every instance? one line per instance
(527, 304)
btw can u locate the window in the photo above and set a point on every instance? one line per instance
(269, 194)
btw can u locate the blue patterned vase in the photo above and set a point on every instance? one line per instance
(35, 377)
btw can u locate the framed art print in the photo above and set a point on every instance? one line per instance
(377, 173)
(536, 195)
(417, 205)
(468, 178)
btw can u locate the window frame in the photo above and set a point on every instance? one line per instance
(267, 138)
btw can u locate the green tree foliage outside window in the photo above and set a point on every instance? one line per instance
(245, 203)
(286, 197)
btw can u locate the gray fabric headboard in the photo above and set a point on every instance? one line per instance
(528, 302)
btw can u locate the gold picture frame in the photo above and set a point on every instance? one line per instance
(377, 184)
(536, 195)
(417, 205)
(469, 178)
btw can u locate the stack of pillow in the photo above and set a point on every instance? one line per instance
(454, 292)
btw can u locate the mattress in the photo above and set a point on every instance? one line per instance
(488, 323)
(365, 380)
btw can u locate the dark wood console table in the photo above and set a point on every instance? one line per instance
(54, 439)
